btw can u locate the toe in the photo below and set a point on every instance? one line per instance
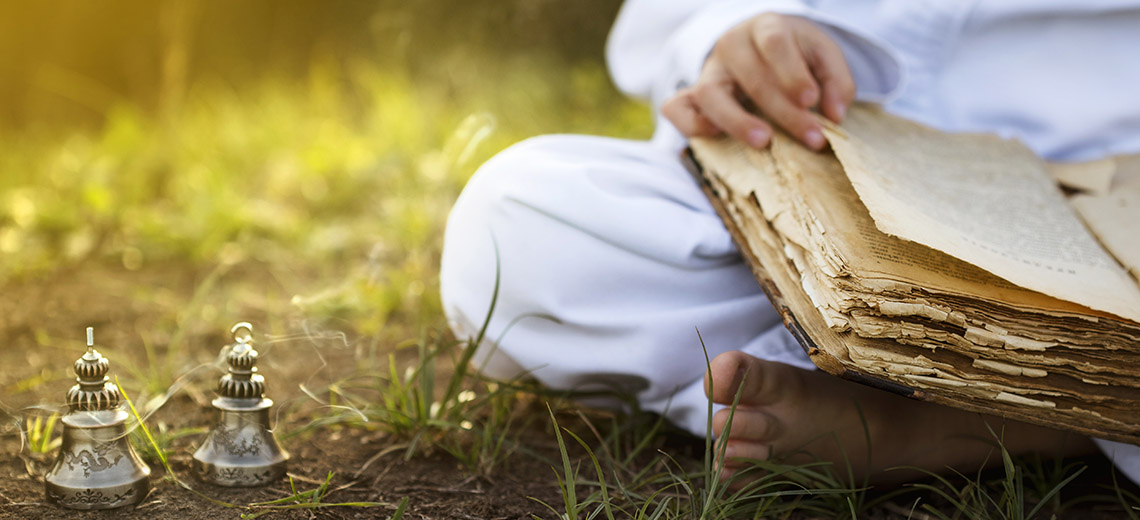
(759, 382)
(739, 454)
(747, 425)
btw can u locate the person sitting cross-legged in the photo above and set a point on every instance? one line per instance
(615, 241)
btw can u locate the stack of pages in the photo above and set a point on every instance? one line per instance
(948, 267)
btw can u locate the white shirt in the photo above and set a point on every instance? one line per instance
(1062, 76)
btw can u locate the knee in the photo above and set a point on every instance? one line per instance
(489, 220)
(488, 195)
(503, 186)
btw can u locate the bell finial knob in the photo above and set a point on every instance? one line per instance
(242, 381)
(94, 390)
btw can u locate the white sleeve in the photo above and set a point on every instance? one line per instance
(657, 47)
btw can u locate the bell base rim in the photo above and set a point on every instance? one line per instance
(98, 498)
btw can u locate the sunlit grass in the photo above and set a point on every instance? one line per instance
(652, 486)
(349, 175)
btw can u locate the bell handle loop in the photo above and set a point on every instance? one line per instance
(243, 332)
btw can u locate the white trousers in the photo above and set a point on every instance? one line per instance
(609, 260)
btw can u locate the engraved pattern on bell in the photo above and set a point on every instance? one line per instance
(94, 499)
(233, 442)
(240, 450)
(96, 467)
(239, 477)
(106, 455)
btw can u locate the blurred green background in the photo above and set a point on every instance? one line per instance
(328, 138)
(65, 61)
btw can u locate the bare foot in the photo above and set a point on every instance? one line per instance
(809, 415)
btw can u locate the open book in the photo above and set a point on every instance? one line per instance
(947, 267)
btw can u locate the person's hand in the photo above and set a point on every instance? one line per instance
(783, 66)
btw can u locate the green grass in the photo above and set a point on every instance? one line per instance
(358, 164)
(37, 433)
(597, 484)
(629, 485)
(314, 499)
(1021, 491)
(433, 403)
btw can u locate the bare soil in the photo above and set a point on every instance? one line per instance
(435, 486)
(41, 333)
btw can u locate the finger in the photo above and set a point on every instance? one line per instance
(773, 40)
(757, 80)
(681, 110)
(717, 102)
(827, 63)
(774, 106)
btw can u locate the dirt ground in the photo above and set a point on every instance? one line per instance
(41, 333)
(436, 486)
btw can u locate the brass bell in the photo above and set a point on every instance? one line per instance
(240, 450)
(96, 467)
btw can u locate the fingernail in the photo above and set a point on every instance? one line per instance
(814, 139)
(726, 473)
(758, 138)
(841, 110)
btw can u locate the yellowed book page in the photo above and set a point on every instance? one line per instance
(1093, 177)
(1115, 216)
(870, 253)
(984, 200)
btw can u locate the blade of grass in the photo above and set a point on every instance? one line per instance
(568, 485)
(311, 500)
(601, 475)
(162, 453)
(1052, 492)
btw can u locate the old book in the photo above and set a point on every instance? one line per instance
(947, 267)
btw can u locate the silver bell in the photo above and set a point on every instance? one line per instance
(96, 467)
(240, 450)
